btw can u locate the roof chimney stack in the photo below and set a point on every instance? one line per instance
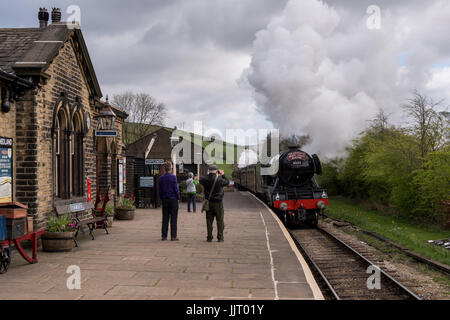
(43, 18)
(56, 15)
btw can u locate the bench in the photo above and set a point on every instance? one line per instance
(94, 217)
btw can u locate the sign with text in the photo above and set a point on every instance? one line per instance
(154, 161)
(6, 161)
(120, 171)
(146, 182)
(106, 133)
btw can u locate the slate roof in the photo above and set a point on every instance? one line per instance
(14, 43)
(30, 51)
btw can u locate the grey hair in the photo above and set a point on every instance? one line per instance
(191, 175)
(167, 166)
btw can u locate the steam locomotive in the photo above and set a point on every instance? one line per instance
(292, 192)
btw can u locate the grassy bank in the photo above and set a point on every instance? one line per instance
(414, 237)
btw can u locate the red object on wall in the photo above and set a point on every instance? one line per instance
(89, 193)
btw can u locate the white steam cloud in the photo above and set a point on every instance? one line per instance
(319, 70)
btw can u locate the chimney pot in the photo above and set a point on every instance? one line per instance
(56, 15)
(43, 18)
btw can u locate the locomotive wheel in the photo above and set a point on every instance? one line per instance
(5, 260)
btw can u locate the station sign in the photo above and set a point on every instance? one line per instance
(146, 182)
(106, 133)
(6, 163)
(154, 161)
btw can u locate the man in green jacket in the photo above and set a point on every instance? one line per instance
(215, 201)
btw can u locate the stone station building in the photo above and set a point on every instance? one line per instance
(50, 106)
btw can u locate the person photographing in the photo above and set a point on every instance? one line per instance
(213, 184)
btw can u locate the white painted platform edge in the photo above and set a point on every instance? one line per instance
(308, 274)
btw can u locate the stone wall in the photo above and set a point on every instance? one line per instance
(35, 149)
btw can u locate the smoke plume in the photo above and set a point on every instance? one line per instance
(320, 71)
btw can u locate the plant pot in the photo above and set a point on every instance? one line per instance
(110, 220)
(125, 214)
(57, 241)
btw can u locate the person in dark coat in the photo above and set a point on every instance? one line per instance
(169, 194)
(216, 209)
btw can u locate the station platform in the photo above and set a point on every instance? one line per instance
(257, 260)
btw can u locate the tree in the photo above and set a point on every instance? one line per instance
(428, 126)
(143, 112)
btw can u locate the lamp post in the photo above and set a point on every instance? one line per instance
(107, 117)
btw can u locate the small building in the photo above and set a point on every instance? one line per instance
(145, 158)
(50, 112)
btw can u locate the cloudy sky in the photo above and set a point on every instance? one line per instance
(304, 66)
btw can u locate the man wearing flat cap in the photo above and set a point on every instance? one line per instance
(215, 200)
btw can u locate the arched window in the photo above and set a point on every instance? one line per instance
(68, 136)
(61, 148)
(77, 155)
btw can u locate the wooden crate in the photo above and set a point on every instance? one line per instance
(13, 210)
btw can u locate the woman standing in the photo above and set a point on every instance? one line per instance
(191, 191)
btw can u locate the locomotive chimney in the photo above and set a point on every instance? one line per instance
(43, 18)
(56, 15)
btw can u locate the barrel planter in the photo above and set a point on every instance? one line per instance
(57, 241)
(124, 214)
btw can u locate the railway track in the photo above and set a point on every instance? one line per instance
(343, 271)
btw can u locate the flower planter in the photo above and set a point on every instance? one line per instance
(125, 214)
(57, 241)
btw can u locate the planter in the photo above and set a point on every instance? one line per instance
(57, 241)
(110, 220)
(125, 214)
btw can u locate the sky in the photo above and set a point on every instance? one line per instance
(322, 68)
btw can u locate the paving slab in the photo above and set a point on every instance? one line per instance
(256, 261)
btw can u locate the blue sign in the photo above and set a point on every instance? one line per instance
(106, 133)
(6, 178)
(75, 207)
(154, 161)
(146, 182)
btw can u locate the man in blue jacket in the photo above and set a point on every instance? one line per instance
(169, 194)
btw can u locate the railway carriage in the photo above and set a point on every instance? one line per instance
(292, 191)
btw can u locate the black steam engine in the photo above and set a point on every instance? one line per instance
(292, 190)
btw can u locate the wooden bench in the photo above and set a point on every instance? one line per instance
(90, 219)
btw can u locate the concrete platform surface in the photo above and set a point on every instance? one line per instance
(256, 261)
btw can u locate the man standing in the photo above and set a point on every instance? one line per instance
(215, 200)
(169, 194)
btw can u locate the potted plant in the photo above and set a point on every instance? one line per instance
(109, 212)
(200, 192)
(182, 187)
(59, 234)
(125, 209)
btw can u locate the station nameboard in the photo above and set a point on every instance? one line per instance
(106, 133)
(154, 161)
(6, 161)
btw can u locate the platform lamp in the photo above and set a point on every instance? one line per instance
(107, 117)
(174, 140)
